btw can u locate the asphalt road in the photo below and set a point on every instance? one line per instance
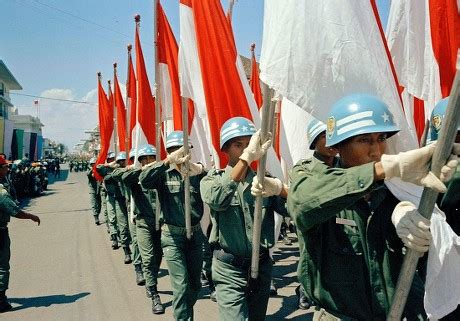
(65, 269)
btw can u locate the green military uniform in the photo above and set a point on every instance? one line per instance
(106, 190)
(117, 204)
(94, 194)
(232, 215)
(148, 238)
(350, 254)
(184, 257)
(8, 208)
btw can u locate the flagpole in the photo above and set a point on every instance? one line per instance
(231, 3)
(157, 104)
(267, 121)
(429, 196)
(128, 104)
(188, 209)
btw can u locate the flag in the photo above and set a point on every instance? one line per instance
(131, 97)
(254, 81)
(211, 73)
(170, 90)
(105, 113)
(423, 38)
(121, 114)
(145, 104)
(113, 147)
(314, 62)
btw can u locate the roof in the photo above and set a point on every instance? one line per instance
(8, 78)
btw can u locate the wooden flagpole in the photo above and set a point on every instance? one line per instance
(157, 106)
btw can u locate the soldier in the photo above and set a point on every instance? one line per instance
(352, 229)
(94, 191)
(183, 256)
(8, 208)
(111, 218)
(228, 194)
(449, 202)
(148, 238)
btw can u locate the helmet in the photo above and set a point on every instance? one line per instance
(358, 114)
(236, 127)
(92, 160)
(132, 153)
(175, 139)
(121, 156)
(110, 155)
(437, 117)
(147, 150)
(314, 129)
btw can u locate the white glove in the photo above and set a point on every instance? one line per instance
(194, 169)
(256, 149)
(271, 186)
(412, 228)
(113, 164)
(413, 166)
(178, 156)
(448, 170)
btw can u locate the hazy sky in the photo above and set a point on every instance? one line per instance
(54, 48)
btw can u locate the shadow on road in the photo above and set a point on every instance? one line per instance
(62, 177)
(46, 301)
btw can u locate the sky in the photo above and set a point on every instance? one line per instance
(54, 49)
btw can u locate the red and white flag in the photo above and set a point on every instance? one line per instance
(314, 62)
(211, 73)
(121, 114)
(423, 38)
(170, 90)
(131, 97)
(145, 103)
(105, 113)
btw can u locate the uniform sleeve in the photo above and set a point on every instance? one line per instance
(319, 192)
(131, 177)
(151, 177)
(217, 190)
(108, 175)
(102, 170)
(117, 174)
(7, 205)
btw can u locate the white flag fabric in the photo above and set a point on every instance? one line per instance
(316, 52)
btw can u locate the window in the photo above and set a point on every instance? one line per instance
(2, 89)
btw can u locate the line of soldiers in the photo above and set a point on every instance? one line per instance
(352, 230)
(78, 165)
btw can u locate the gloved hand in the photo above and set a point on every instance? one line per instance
(113, 164)
(271, 186)
(256, 149)
(412, 228)
(178, 157)
(132, 217)
(448, 170)
(194, 169)
(148, 165)
(413, 166)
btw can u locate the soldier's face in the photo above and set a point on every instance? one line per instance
(362, 149)
(236, 147)
(3, 170)
(122, 163)
(320, 147)
(147, 160)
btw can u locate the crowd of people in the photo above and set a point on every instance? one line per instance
(353, 230)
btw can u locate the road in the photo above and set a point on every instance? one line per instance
(65, 269)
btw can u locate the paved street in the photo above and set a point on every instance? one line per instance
(65, 269)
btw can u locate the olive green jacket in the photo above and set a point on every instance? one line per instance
(350, 254)
(8, 207)
(232, 212)
(170, 188)
(144, 199)
(93, 184)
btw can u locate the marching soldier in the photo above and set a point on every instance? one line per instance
(183, 256)
(352, 229)
(8, 209)
(449, 202)
(94, 191)
(148, 238)
(228, 194)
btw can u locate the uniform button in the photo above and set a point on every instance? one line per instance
(345, 250)
(361, 184)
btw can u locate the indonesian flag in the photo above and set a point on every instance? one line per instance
(145, 103)
(121, 115)
(131, 97)
(111, 100)
(170, 90)
(211, 73)
(105, 126)
(314, 61)
(254, 81)
(423, 38)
